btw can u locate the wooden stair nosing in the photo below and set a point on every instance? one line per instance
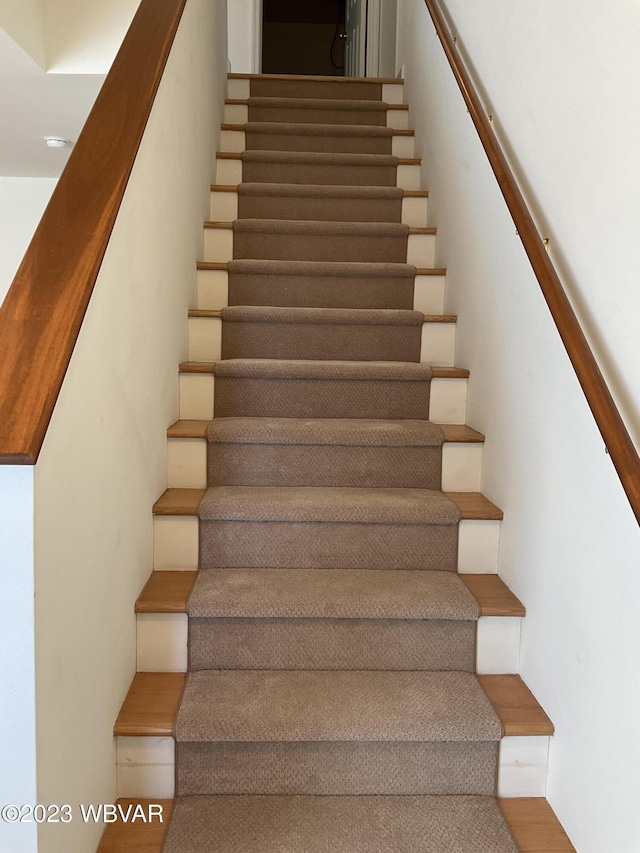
(317, 78)
(437, 371)
(241, 128)
(168, 592)
(532, 822)
(472, 505)
(454, 433)
(237, 155)
(216, 313)
(216, 225)
(233, 188)
(244, 102)
(223, 266)
(151, 705)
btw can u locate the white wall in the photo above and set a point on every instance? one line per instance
(24, 21)
(557, 76)
(17, 665)
(83, 36)
(245, 36)
(103, 463)
(22, 203)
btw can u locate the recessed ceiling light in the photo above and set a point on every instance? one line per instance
(57, 142)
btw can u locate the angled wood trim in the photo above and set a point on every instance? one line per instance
(42, 314)
(614, 432)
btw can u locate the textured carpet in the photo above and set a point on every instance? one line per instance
(268, 527)
(317, 111)
(287, 240)
(321, 389)
(316, 284)
(331, 704)
(343, 334)
(301, 167)
(329, 452)
(331, 619)
(284, 87)
(339, 825)
(319, 202)
(346, 139)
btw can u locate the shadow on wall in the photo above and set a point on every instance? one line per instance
(303, 37)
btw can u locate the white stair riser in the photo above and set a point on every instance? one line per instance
(447, 405)
(236, 113)
(239, 114)
(461, 467)
(414, 211)
(224, 208)
(239, 89)
(218, 247)
(205, 341)
(146, 767)
(228, 172)
(393, 93)
(162, 643)
(213, 292)
(205, 338)
(428, 294)
(176, 544)
(213, 289)
(438, 344)
(523, 765)
(421, 250)
(234, 142)
(398, 119)
(187, 465)
(403, 146)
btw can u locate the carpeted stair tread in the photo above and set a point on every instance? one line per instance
(344, 104)
(321, 269)
(321, 284)
(328, 505)
(327, 230)
(371, 371)
(323, 191)
(341, 334)
(300, 87)
(335, 706)
(318, 240)
(265, 128)
(330, 431)
(322, 316)
(382, 824)
(319, 158)
(345, 138)
(295, 388)
(353, 452)
(317, 110)
(331, 594)
(308, 167)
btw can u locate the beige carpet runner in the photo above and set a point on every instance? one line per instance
(331, 704)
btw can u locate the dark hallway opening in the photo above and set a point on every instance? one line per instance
(303, 37)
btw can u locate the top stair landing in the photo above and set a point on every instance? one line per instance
(389, 90)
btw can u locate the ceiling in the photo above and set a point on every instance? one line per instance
(34, 104)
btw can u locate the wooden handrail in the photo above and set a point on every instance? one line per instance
(614, 432)
(41, 316)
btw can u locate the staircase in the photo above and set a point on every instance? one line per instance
(351, 653)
